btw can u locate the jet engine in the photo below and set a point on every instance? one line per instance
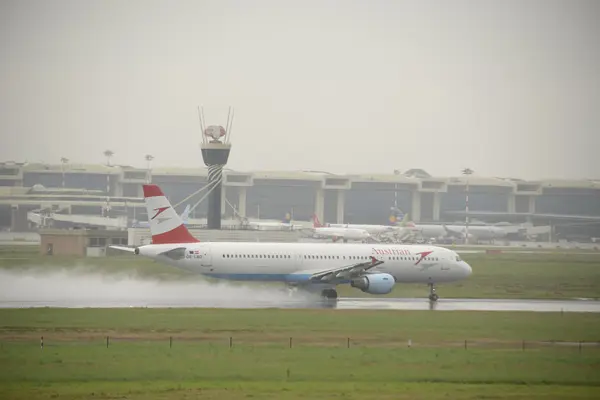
(374, 283)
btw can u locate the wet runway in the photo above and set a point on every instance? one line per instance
(472, 305)
(342, 304)
(81, 288)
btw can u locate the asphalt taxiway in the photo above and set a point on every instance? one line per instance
(342, 304)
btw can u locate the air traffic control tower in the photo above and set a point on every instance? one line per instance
(215, 153)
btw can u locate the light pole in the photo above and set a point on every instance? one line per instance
(467, 172)
(108, 154)
(149, 158)
(63, 161)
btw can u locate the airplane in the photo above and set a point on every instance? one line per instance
(336, 233)
(312, 267)
(476, 232)
(394, 227)
(184, 217)
(285, 224)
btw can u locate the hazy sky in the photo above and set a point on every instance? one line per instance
(508, 88)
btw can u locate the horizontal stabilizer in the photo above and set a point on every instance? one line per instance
(123, 248)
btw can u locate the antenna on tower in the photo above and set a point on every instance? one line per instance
(229, 124)
(201, 122)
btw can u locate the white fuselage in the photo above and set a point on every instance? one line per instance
(372, 229)
(274, 225)
(296, 262)
(480, 232)
(341, 233)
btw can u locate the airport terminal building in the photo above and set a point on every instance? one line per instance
(116, 191)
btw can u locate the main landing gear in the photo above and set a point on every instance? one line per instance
(329, 294)
(432, 294)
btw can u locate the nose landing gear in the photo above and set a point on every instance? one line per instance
(432, 294)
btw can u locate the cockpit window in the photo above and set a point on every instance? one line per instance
(458, 259)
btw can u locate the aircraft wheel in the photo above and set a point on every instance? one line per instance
(329, 294)
(432, 294)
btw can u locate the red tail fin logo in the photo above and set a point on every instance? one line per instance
(169, 227)
(159, 211)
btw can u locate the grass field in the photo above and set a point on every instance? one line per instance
(516, 275)
(376, 327)
(139, 362)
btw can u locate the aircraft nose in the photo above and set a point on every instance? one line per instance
(467, 268)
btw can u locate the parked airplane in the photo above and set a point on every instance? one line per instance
(185, 215)
(476, 232)
(325, 232)
(286, 224)
(374, 269)
(397, 225)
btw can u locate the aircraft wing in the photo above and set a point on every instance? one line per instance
(123, 248)
(454, 233)
(345, 272)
